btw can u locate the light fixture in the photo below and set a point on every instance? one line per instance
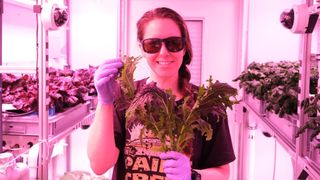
(54, 15)
(300, 18)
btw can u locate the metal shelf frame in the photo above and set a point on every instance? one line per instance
(304, 167)
(50, 130)
(303, 163)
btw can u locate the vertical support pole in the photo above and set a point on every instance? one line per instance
(68, 34)
(244, 164)
(1, 137)
(43, 106)
(119, 38)
(43, 109)
(68, 58)
(122, 28)
(304, 85)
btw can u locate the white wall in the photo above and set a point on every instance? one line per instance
(19, 34)
(19, 37)
(268, 39)
(93, 31)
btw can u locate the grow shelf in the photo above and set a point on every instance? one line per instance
(29, 124)
(314, 152)
(273, 129)
(287, 125)
(259, 106)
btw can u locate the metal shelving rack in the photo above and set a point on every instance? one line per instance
(304, 166)
(1, 12)
(50, 130)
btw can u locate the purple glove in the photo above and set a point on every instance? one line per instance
(105, 80)
(176, 165)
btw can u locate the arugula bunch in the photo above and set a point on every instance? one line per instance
(173, 123)
(126, 82)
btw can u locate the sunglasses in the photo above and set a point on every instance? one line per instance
(153, 45)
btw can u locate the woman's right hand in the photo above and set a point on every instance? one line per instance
(105, 80)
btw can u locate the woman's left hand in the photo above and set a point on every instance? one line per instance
(176, 165)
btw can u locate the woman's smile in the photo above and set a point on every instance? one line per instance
(165, 62)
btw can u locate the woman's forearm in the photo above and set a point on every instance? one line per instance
(221, 172)
(101, 148)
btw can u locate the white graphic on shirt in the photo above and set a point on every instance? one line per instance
(142, 155)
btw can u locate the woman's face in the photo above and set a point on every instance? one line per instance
(164, 64)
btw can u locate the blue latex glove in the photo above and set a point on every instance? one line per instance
(105, 80)
(176, 165)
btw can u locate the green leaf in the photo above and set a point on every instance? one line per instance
(126, 81)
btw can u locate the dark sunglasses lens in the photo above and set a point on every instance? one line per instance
(174, 44)
(151, 45)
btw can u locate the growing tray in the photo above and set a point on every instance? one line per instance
(257, 105)
(29, 124)
(286, 126)
(314, 152)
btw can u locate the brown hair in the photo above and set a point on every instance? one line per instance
(164, 12)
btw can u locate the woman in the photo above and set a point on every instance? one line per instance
(164, 42)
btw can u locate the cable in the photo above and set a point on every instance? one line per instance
(274, 160)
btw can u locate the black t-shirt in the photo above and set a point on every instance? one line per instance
(141, 161)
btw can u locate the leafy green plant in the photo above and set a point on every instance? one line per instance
(173, 123)
(276, 84)
(282, 98)
(254, 80)
(158, 111)
(311, 107)
(126, 82)
(313, 124)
